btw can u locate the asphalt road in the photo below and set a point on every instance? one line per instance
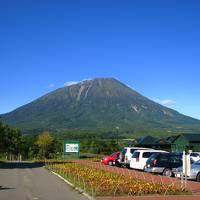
(30, 181)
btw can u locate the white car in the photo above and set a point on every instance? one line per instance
(126, 155)
(139, 158)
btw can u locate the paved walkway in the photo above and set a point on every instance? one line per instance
(30, 181)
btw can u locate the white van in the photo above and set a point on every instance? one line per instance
(139, 158)
(126, 155)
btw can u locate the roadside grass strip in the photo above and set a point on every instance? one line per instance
(99, 182)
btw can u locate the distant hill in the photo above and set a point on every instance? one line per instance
(98, 104)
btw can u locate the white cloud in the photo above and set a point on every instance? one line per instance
(51, 85)
(165, 102)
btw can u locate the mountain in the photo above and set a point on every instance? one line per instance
(98, 104)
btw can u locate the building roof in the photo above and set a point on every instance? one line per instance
(171, 138)
(192, 137)
(146, 140)
(162, 141)
(149, 140)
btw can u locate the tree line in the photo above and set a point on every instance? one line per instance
(10, 141)
(14, 145)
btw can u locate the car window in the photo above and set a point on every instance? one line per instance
(136, 155)
(147, 154)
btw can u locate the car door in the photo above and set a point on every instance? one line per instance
(135, 160)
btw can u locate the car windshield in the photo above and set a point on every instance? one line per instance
(147, 154)
(151, 158)
(113, 154)
(194, 154)
(197, 162)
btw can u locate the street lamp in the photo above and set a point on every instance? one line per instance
(117, 135)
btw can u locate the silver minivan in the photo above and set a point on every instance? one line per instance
(194, 172)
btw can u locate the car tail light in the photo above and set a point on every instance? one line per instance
(126, 158)
(137, 159)
(154, 162)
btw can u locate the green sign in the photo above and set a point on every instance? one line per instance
(71, 147)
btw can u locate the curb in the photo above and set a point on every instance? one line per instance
(72, 185)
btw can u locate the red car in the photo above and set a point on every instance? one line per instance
(110, 160)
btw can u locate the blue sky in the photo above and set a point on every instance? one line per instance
(152, 46)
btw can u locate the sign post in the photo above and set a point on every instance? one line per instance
(186, 168)
(71, 147)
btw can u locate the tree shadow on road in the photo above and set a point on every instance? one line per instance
(21, 165)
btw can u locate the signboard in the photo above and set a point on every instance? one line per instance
(71, 147)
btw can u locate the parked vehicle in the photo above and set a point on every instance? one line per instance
(139, 158)
(195, 156)
(125, 156)
(194, 172)
(163, 163)
(110, 160)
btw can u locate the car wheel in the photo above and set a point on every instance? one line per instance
(167, 172)
(198, 177)
(117, 164)
(110, 163)
(128, 166)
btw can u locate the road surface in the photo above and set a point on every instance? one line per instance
(30, 181)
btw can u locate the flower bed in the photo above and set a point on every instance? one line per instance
(104, 183)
